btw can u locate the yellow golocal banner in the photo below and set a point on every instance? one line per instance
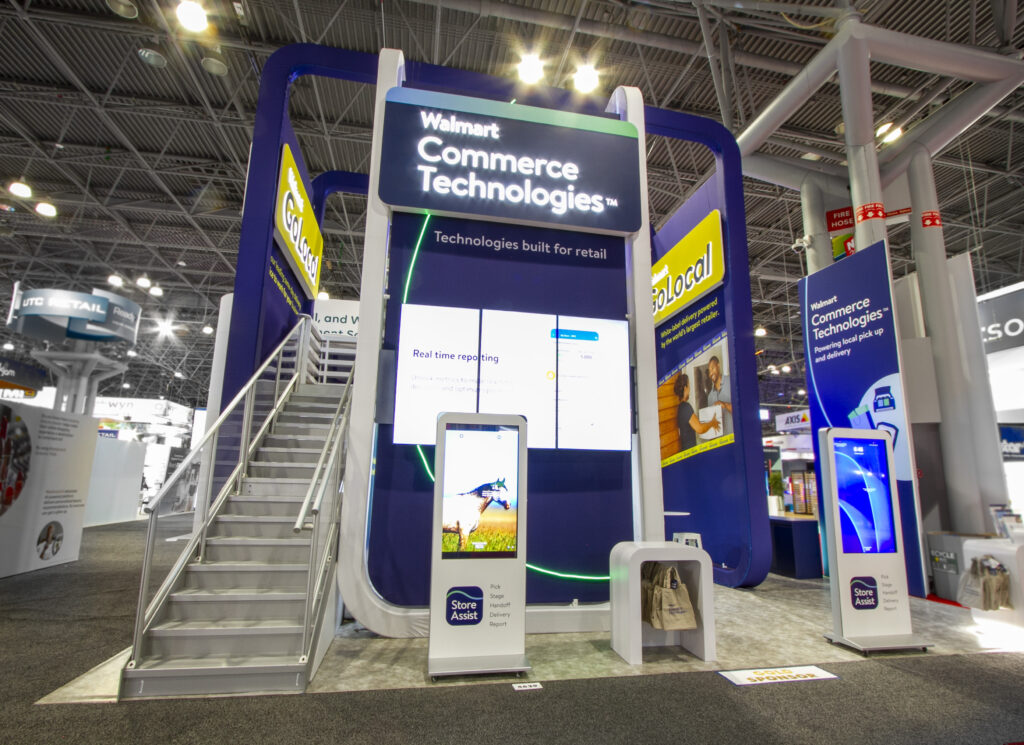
(692, 268)
(295, 226)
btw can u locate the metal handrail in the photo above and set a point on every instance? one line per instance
(145, 612)
(300, 521)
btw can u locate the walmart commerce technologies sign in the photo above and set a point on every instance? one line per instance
(465, 156)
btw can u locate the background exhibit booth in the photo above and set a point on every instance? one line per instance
(506, 271)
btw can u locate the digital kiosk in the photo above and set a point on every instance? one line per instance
(868, 578)
(478, 559)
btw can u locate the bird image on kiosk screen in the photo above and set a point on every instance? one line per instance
(863, 486)
(479, 507)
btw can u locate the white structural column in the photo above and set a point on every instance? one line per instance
(628, 103)
(812, 205)
(865, 185)
(968, 431)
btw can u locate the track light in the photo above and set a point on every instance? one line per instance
(191, 16)
(531, 69)
(585, 79)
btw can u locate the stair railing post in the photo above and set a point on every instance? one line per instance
(140, 613)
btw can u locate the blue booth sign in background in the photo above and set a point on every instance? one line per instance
(853, 374)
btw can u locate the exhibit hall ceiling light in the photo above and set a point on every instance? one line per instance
(888, 133)
(20, 189)
(153, 55)
(144, 282)
(165, 327)
(531, 69)
(8, 346)
(191, 16)
(213, 62)
(132, 353)
(115, 280)
(323, 295)
(156, 291)
(46, 209)
(207, 330)
(760, 331)
(585, 79)
(124, 8)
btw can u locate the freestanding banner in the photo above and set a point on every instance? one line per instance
(45, 463)
(853, 372)
(478, 571)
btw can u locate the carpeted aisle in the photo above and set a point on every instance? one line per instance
(58, 623)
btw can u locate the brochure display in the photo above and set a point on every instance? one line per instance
(478, 568)
(45, 461)
(870, 601)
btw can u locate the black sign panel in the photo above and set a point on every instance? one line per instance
(1002, 321)
(470, 157)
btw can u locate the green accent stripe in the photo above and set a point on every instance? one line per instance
(518, 112)
(415, 255)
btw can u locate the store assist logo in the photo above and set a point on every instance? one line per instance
(295, 226)
(464, 606)
(864, 593)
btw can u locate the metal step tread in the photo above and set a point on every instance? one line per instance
(226, 627)
(262, 519)
(217, 540)
(245, 566)
(273, 480)
(274, 450)
(285, 498)
(282, 464)
(234, 594)
(158, 666)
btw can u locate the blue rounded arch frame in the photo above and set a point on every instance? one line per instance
(260, 317)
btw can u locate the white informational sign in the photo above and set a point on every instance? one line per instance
(870, 601)
(568, 376)
(776, 675)
(793, 421)
(478, 568)
(45, 462)
(334, 318)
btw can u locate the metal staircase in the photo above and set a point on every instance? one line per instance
(240, 609)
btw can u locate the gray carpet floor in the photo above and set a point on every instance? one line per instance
(58, 623)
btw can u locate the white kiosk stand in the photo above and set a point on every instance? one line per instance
(478, 567)
(870, 602)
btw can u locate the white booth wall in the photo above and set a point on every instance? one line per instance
(114, 487)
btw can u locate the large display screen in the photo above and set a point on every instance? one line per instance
(864, 488)
(568, 376)
(480, 492)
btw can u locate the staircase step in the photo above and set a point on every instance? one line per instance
(264, 550)
(271, 469)
(224, 638)
(161, 677)
(257, 506)
(253, 526)
(288, 454)
(246, 576)
(191, 604)
(320, 390)
(299, 441)
(312, 405)
(261, 486)
(316, 417)
(309, 429)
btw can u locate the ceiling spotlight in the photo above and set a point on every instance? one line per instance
(181, 263)
(191, 15)
(760, 331)
(207, 330)
(132, 353)
(213, 62)
(126, 385)
(531, 69)
(801, 392)
(20, 189)
(585, 79)
(124, 8)
(156, 291)
(786, 368)
(323, 295)
(46, 209)
(893, 135)
(153, 55)
(116, 280)
(144, 282)
(178, 374)
(8, 346)
(882, 129)
(165, 327)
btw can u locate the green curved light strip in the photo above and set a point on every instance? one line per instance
(423, 457)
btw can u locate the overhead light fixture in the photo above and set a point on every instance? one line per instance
(153, 55)
(213, 62)
(132, 353)
(124, 8)
(156, 291)
(20, 189)
(882, 129)
(585, 78)
(116, 280)
(126, 385)
(46, 209)
(207, 330)
(760, 331)
(191, 16)
(894, 134)
(801, 392)
(531, 69)
(8, 346)
(144, 282)
(786, 368)
(165, 327)
(181, 263)
(178, 374)
(323, 295)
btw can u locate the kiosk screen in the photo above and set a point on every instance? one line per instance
(479, 507)
(863, 485)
